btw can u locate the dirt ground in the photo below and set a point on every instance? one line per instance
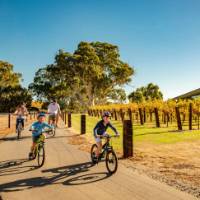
(177, 164)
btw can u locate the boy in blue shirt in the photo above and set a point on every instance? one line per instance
(38, 129)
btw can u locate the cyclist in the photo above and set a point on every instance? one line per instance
(37, 129)
(100, 131)
(21, 112)
(54, 111)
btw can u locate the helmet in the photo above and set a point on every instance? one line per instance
(41, 114)
(106, 114)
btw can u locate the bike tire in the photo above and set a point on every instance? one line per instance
(19, 129)
(53, 132)
(92, 153)
(41, 155)
(113, 160)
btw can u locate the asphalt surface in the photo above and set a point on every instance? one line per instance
(69, 174)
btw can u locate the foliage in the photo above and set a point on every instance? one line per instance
(94, 74)
(148, 93)
(11, 93)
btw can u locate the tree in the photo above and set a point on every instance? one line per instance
(149, 93)
(11, 92)
(7, 76)
(91, 75)
(117, 96)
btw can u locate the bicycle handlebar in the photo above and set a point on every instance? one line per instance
(109, 136)
(46, 131)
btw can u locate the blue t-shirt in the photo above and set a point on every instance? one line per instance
(39, 128)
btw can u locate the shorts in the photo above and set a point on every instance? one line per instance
(97, 139)
(38, 138)
(52, 117)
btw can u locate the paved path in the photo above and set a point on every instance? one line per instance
(68, 174)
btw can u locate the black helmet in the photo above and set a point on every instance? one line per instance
(106, 114)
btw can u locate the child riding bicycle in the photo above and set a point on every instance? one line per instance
(37, 129)
(100, 131)
(21, 112)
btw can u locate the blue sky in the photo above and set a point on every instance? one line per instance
(160, 38)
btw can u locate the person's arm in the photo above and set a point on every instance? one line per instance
(48, 126)
(26, 111)
(113, 128)
(48, 109)
(59, 111)
(15, 113)
(96, 129)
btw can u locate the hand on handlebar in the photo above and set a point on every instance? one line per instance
(117, 135)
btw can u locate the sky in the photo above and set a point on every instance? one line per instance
(159, 38)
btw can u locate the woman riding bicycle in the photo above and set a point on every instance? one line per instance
(37, 129)
(100, 131)
(21, 112)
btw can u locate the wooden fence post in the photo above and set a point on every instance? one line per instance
(127, 139)
(69, 120)
(178, 117)
(65, 117)
(9, 120)
(190, 116)
(83, 124)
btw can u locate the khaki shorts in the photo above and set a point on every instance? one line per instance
(52, 117)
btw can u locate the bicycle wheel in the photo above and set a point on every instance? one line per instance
(19, 129)
(93, 153)
(41, 155)
(54, 132)
(111, 162)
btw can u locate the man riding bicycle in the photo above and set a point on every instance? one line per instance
(21, 113)
(100, 131)
(37, 129)
(54, 111)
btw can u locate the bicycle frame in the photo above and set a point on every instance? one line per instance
(106, 147)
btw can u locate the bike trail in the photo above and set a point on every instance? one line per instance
(69, 174)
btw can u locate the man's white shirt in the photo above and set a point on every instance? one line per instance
(53, 108)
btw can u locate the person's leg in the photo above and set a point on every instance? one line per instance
(34, 139)
(49, 119)
(99, 148)
(57, 118)
(33, 147)
(23, 123)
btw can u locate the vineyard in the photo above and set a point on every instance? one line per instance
(182, 115)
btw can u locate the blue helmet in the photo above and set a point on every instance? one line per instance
(41, 114)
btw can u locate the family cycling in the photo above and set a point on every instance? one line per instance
(38, 128)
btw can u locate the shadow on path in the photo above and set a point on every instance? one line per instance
(59, 175)
(12, 167)
(13, 138)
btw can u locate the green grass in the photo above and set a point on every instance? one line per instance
(146, 133)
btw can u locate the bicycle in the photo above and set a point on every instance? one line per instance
(108, 153)
(53, 124)
(39, 150)
(19, 126)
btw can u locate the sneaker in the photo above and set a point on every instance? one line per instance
(30, 155)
